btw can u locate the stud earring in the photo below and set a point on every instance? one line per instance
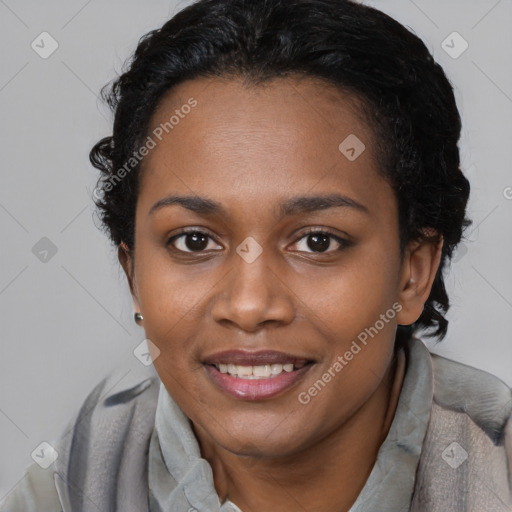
(138, 317)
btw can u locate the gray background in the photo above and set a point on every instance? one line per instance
(67, 321)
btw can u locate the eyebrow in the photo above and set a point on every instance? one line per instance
(292, 206)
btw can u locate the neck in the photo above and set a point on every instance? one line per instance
(327, 476)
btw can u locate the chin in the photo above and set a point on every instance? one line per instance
(259, 436)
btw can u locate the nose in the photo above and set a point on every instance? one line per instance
(253, 295)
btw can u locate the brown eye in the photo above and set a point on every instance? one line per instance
(318, 241)
(190, 241)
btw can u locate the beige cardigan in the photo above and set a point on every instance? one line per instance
(449, 449)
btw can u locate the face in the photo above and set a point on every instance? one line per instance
(291, 254)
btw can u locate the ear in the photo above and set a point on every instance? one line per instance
(419, 268)
(125, 257)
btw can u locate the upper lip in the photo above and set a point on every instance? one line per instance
(259, 358)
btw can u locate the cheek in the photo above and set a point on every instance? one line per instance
(357, 318)
(374, 276)
(367, 319)
(344, 300)
(169, 288)
(172, 301)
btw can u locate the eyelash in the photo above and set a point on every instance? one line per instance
(310, 231)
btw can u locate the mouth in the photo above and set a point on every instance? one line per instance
(256, 376)
(265, 371)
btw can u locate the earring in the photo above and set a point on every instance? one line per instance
(138, 317)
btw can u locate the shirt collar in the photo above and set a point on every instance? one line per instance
(179, 477)
(390, 486)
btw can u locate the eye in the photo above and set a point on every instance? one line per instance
(316, 240)
(319, 241)
(191, 240)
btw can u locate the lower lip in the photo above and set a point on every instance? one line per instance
(256, 389)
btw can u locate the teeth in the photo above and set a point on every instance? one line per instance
(261, 371)
(276, 369)
(255, 372)
(244, 371)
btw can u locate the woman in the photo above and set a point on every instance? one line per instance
(283, 187)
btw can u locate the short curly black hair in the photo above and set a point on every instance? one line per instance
(406, 97)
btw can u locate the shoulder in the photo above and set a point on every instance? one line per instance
(35, 492)
(105, 449)
(466, 458)
(122, 395)
(485, 398)
(113, 424)
(120, 406)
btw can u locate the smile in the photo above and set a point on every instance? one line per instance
(257, 372)
(270, 374)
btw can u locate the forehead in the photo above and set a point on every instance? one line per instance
(262, 142)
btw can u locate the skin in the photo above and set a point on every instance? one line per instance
(251, 148)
